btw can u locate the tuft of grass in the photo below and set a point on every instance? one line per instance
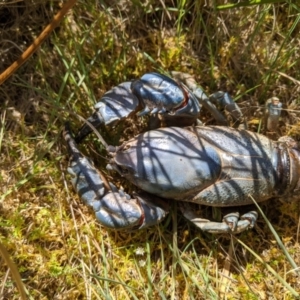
(61, 252)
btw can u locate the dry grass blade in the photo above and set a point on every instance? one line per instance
(14, 271)
(226, 274)
(247, 3)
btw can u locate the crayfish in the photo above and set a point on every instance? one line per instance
(182, 160)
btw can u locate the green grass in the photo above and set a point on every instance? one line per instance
(60, 250)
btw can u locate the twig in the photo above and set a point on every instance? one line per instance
(37, 42)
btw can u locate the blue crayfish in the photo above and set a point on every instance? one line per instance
(183, 160)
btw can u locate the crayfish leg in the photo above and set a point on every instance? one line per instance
(231, 223)
(217, 100)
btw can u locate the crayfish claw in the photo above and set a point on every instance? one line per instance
(113, 208)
